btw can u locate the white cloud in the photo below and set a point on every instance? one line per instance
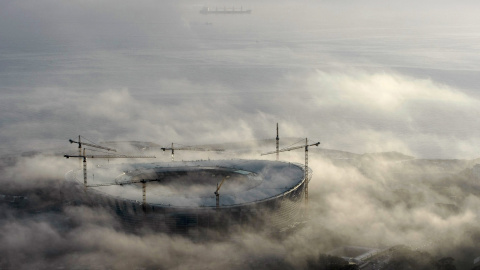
(380, 92)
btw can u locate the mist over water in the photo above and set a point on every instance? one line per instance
(324, 69)
(363, 77)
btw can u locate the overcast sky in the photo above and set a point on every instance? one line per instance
(360, 76)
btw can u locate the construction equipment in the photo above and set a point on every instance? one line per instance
(144, 187)
(84, 156)
(278, 143)
(306, 160)
(79, 142)
(188, 148)
(91, 145)
(217, 195)
(144, 184)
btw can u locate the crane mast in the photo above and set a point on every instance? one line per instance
(84, 168)
(217, 195)
(144, 195)
(306, 170)
(277, 143)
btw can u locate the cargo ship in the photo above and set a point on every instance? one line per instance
(207, 10)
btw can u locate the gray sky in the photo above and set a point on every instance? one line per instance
(361, 76)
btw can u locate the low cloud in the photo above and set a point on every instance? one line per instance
(361, 202)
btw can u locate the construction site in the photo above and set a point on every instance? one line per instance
(189, 196)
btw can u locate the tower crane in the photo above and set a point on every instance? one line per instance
(84, 157)
(79, 142)
(277, 139)
(217, 195)
(189, 148)
(144, 187)
(306, 160)
(91, 145)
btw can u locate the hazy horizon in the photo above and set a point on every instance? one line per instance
(360, 77)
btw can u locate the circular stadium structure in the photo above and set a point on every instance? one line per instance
(189, 196)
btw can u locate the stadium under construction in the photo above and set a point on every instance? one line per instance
(186, 197)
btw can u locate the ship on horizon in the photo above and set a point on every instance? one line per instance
(207, 10)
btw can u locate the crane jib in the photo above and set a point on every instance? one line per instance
(93, 145)
(291, 148)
